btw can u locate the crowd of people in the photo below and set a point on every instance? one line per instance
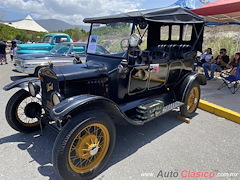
(220, 63)
(3, 53)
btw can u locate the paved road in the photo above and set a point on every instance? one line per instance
(223, 97)
(207, 144)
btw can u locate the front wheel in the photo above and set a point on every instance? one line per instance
(21, 112)
(37, 69)
(84, 146)
(191, 100)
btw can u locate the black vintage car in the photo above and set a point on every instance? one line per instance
(147, 73)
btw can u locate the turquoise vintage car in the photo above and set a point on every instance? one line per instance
(49, 42)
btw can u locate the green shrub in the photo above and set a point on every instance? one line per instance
(223, 42)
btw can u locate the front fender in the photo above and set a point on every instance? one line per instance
(77, 104)
(71, 104)
(21, 83)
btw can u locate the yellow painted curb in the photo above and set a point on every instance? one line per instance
(219, 111)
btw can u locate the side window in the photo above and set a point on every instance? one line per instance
(78, 49)
(187, 32)
(175, 36)
(60, 39)
(63, 39)
(164, 33)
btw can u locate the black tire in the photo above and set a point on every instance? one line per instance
(64, 148)
(191, 100)
(36, 71)
(24, 123)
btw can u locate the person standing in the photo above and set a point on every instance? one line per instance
(3, 52)
(14, 43)
(11, 52)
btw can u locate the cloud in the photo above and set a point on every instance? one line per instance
(71, 11)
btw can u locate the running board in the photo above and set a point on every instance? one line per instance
(172, 106)
(164, 110)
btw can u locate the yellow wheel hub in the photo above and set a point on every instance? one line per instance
(88, 148)
(193, 98)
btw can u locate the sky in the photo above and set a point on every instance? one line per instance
(73, 11)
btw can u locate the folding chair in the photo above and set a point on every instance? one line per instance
(231, 81)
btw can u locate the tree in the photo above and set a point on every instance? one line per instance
(76, 33)
(7, 32)
(24, 35)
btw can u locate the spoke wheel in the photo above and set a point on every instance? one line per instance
(88, 148)
(27, 110)
(22, 110)
(191, 100)
(84, 146)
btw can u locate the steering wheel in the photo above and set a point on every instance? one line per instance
(132, 52)
(124, 44)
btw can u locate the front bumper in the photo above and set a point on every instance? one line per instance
(25, 70)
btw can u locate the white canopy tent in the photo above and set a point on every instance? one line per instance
(27, 24)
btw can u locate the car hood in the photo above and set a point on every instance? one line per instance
(90, 69)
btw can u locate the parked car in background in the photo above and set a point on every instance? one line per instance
(49, 42)
(62, 54)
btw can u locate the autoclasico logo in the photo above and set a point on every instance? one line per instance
(186, 174)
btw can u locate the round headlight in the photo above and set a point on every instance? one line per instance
(134, 40)
(56, 98)
(33, 89)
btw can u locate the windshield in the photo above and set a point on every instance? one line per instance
(69, 49)
(111, 38)
(47, 39)
(60, 49)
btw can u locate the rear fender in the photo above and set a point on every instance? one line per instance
(21, 83)
(201, 79)
(182, 87)
(74, 105)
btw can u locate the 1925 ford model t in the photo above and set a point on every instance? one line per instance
(85, 101)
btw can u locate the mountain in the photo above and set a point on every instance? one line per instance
(54, 25)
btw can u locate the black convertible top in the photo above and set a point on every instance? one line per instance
(175, 14)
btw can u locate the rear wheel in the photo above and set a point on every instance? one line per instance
(191, 100)
(84, 146)
(21, 112)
